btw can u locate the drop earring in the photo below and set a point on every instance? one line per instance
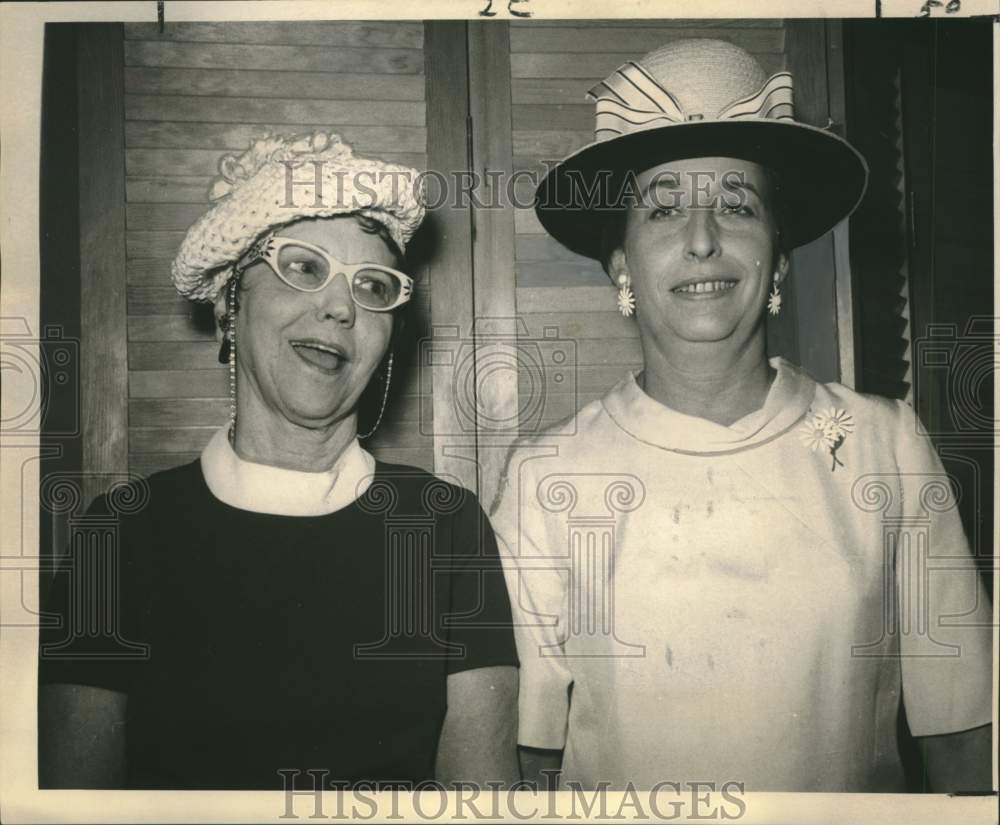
(231, 354)
(385, 397)
(224, 348)
(626, 297)
(774, 299)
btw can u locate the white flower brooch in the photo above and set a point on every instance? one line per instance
(827, 430)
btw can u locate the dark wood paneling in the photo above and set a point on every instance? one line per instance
(812, 294)
(634, 40)
(184, 437)
(572, 117)
(806, 60)
(196, 162)
(165, 217)
(179, 383)
(195, 412)
(290, 112)
(273, 58)
(145, 464)
(177, 412)
(565, 299)
(198, 355)
(593, 64)
(327, 33)
(545, 144)
(167, 328)
(494, 272)
(723, 24)
(152, 244)
(545, 248)
(606, 323)
(104, 370)
(526, 222)
(270, 84)
(186, 189)
(552, 91)
(210, 383)
(449, 231)
(559, 273)
(157, 300)
(159, 134)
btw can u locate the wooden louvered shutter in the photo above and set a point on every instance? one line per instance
(881, 240)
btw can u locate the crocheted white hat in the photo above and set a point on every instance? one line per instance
(280, 179)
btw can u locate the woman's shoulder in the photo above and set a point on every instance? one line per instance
(136, 493)
(891, 421)
(890, 411)
(404, 488)
(572, 432)
(183, 476)
(410, 475)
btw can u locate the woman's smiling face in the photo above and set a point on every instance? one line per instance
(701, 251)
(309, 356)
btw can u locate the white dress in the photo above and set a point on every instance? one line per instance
(749, 603)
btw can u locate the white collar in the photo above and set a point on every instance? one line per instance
(787, 400)
(262, 488)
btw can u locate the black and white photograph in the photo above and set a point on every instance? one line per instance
(641, 465)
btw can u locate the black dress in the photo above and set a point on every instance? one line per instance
(251, 643)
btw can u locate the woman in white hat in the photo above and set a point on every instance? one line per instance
(288, 603)
(719, 571)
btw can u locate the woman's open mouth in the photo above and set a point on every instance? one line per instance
(717, 287)
(324, 357)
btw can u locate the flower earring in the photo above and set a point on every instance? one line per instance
(774, 299)
(385, 397)
(626, 297)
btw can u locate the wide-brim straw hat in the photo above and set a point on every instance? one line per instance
(285, 178)
(700, 98)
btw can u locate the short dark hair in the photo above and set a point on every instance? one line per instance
(612, 235)
(615, 222)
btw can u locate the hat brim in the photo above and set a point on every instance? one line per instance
(822, 177)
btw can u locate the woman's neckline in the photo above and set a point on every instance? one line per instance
(772, 375)
(647, 420)
(263, 488)
(724, 399)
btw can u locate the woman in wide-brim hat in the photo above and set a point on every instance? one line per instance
(291, 613)
(714, 568)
